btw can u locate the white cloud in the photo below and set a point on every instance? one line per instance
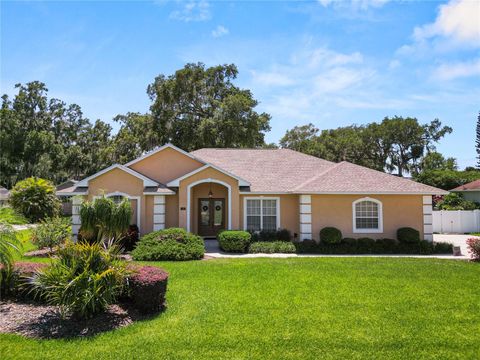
(458, 21)
(193, 11)
(272, 78)
(356, 4)
(456, 70)
(319, 69)
(219, 31)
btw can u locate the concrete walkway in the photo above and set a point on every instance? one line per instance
(212, 250)
(455, 240)
(23, 227)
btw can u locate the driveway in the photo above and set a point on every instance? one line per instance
(455, 239)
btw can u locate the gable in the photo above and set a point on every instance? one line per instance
(115, 180)
(165, 164)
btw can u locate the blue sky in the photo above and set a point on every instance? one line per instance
(332, 63)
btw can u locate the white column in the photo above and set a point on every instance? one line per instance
(427, 218)
(76, 221)
(158, 212)
(305, 202)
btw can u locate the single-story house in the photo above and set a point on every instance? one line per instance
(470, 191)
(209, 190)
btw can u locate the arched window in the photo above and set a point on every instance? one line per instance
(367, 216)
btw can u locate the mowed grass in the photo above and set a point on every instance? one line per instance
(303, 308)
(9, 216)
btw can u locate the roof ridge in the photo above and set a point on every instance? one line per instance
(318, 175)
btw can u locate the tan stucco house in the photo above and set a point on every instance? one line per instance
(208, 190)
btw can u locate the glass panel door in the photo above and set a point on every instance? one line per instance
(211, 216)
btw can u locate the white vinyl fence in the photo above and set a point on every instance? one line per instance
(456, 221)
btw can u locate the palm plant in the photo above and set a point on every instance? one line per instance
(104, 220)
(83, 281)
(9, 246)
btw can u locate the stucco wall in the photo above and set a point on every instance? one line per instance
(171, 211)
(336, 210)
(166, 165)
(289, 211)
(203, 175)
(117, 180)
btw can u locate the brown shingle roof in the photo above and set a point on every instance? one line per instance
(284, 170)
(474, 185)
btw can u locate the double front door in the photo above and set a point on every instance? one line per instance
(211, 216)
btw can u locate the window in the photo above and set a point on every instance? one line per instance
(117, 199)
(367, 216)
(262, 214)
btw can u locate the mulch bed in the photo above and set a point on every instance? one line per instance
(45, 322)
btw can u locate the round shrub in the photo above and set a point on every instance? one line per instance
(169, 244)
(147, 286)
(330, 235)
(35, 199)
(234, 240)
(408, 235)
(274, 247)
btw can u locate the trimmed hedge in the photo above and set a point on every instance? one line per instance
(17, 286)
(266, 247)
(330, 235)
(234, 240)
(147, 288)
(408, 235)
(169, 244)
(271, 235)
(370, 246)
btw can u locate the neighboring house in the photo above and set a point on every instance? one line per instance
(66, 199)
(208, 190)
(470, 191)
(4, 195)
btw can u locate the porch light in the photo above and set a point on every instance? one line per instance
(210, 193)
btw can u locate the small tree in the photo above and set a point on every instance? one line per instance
(51, 233)
(35, 198)
(105, 221)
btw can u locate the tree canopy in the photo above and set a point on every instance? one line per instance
(193, 108)
(196, 107)
(47, 138)
(396, 144)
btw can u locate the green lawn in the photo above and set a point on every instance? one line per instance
(303, 308)
(9, 216)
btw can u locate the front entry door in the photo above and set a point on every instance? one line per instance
(211, 216)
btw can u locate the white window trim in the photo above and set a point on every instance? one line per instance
(245, 199)
(119, 193)
(380, 217)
